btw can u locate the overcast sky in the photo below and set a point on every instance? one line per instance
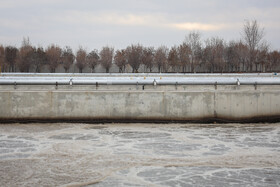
(119, 23)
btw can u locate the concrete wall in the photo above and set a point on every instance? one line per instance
(131, 103)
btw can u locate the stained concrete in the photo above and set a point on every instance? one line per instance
(161, 102)
(132, 103)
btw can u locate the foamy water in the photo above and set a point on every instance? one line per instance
(139, 155)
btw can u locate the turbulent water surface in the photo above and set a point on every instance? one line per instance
(139, 155)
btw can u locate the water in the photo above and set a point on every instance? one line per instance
(139, 155)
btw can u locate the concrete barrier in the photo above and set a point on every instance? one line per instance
(234, 105)
(131, 103)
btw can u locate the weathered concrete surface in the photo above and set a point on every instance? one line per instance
(131, 103)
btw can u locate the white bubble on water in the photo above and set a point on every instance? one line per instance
(139, 154)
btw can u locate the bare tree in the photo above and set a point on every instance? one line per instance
(39, 59)
(214, 54)
(3, 64)
(92, 59)
(252, 36)
(184, 53)
(106, 57)
(81, 59)
(67, 58)
(242, 55)
(121, 60)
(208, 58)
(134, 56)
(220, 54)
(148, 58)
(193, 41)
(274, 60)
(262, 57)
(231, 57)
(173, 59)
(53, 54)
(161, 58)
(25, 56)
(10, 57)
(251, 53)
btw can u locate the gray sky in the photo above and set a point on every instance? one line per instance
(119, 23)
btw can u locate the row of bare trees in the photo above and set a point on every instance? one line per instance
(28, 57)
(250, 54)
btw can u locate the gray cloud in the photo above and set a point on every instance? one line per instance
(119, 23)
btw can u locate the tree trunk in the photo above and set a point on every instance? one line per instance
(251, 67)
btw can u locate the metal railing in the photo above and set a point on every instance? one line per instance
(139, 82)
